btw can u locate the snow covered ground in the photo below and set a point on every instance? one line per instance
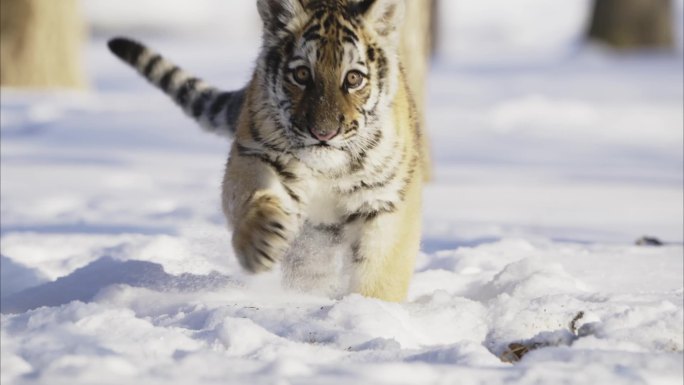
(551, 159)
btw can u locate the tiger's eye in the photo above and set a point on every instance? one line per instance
(302, 75)
(354, 79)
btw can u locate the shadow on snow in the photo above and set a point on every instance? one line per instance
(84, 283)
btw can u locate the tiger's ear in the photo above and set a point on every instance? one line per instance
(384, 16)
(278, 14)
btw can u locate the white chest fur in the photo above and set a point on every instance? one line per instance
(324, 205)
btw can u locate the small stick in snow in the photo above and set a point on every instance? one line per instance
(573, 323)
(517, 350)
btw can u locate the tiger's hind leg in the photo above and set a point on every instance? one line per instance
(384, 250)
(383, 268)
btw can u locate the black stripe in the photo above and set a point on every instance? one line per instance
(265, 254)
(277, 225)
(278, 231)
(413, 112)
(406, 179)
(372, 186)
(409, 177)
(334, 230)
(358, 161)
(278, 167)
(382, 69)
(374, 108)
(165, 81)
(350, 33)
(279, 235)
(218, 104)
(292, 194)
(312, 32)
(356, 253)
(151, 65)
(390, 207)
(370, 52)
(199, 104)
(257, 137)
(319, 14)
(188, 87)
(234, 107)
(273, 60)
(377, 137)
(327, 22)
(289, 46)
(348, 39)
(361, 7)
(245, 151)
(254, 132)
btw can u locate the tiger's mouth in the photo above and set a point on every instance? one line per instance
(321, 149)
(325, 145)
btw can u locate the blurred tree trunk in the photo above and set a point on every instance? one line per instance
(633, 23)
(419, 36)
(40, 43)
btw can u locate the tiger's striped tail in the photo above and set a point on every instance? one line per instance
(217, 111)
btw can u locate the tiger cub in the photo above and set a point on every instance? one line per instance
(323, 176)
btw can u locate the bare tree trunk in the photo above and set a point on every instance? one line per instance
(40, 43)
(633, 23)
(418, 38)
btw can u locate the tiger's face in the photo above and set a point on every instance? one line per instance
(329, 68)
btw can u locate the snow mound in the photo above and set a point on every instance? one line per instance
(141, 321)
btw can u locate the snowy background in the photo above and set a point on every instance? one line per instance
(551, 158)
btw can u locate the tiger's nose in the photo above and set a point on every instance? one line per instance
(323, 134)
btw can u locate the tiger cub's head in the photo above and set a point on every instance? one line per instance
(329, 69)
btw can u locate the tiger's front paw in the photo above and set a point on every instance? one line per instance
(264, 234)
